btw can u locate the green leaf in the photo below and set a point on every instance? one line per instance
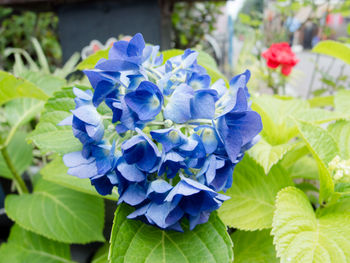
(275, 113)
(319, 116)
(321, 101)
(341, 101)
(12, 88)
(56, 172)
(48, 136)
(20, 154)
(334, 49)
(253, 195)
(58, 213)
(91, 60)
(268, 155)
(305, 167)
(101, 256)
(253, 247)
(323, 148)
(340, 131)
(24, 246)
(22, 110)
(301, 236)
(134, 241)
(46, 82)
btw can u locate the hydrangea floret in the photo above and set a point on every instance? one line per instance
(177, 136)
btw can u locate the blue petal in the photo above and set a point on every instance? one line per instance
(133, 195)
(84, 95)
(146, 101)
(198, 82)
(102, 185)
(130, 172)
(74, 159)
(178, 108)
(171, 163)
(95, 132)
(248, 125)
(209, 138)
(87, 114)
(203, 104)
(136, 45)
(169, 138)
(231, 138)
(67, 121)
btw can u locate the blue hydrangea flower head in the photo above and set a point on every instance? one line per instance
(171, 138)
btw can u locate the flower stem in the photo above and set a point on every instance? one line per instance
(21, 186)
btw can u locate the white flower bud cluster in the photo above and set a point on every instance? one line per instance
(340, 169)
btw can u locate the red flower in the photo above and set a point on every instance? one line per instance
(280, 54)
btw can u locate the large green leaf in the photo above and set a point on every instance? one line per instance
(340, 131)
(334, 49)
(56, 172)
(24, 246)
(301, 236)
(48, 136)
(253, 247)
(323, 147)
(12, 88)
(268, 155)
(91, 60)
(46, 82)
(341, 101)
(134, 241)
(58, 213)
(20, 154)
(253, 195)
(275, 113)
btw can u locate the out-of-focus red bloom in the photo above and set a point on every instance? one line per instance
(280, 54)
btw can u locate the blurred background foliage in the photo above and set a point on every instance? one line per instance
(19, 27)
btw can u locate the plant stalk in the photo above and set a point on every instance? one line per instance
(21, 186)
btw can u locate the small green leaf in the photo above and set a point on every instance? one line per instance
(58, 213)
(253, 247)
(319, 116)
(20, 154)
(101, 256)
(91, 60)
(253, 195)
(12, 88)
(340, 131)
(134, 241)
(275, 113)
(22, 110)
(341, 101)
(24, 246)
(56, 172)
(334, 49)
(305, 167)
(323, 147)
(300, 236)
(268, 155)
(48, 136)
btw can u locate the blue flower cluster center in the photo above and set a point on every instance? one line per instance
(176, 137)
